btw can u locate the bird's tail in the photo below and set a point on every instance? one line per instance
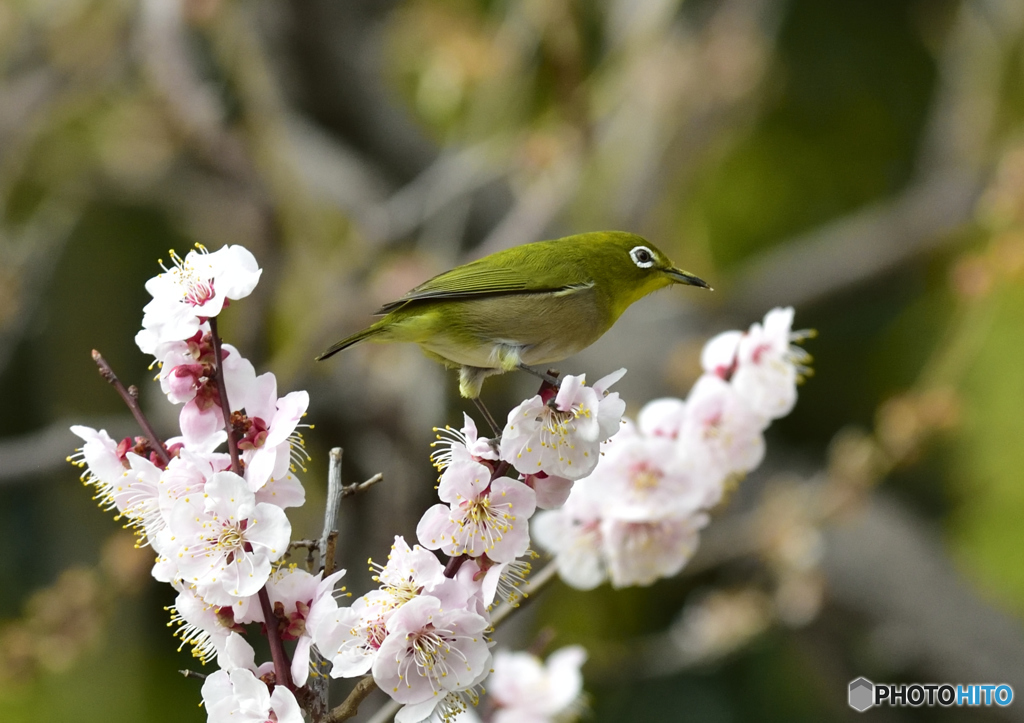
(350, 340)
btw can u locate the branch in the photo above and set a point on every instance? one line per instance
(354, 489)
(132, 401)
(350, 706)
(334, 495)
(222, 391)
(282, 668)
(192, 674)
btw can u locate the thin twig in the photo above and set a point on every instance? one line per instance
(225, 405)
(350, 706)
(192, 674)
(353, 489)
(334, 495)
(309, 544)
(495, 429)
(133, 404)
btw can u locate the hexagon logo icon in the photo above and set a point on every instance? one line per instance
(862, 694)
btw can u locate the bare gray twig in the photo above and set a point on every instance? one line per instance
(335, 492)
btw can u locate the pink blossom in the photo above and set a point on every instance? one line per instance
(430, 651)
(640, 552)
(301, 601)
(224, 544)
(769, 366)
(573, 535)
(235, 693)
(720, 433)
(481, 517)
(552, 491)
(195, 288)
(661, 418)
(562, 436)
(527, 690)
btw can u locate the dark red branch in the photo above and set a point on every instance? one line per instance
(225, 406)
(132, 401)
(282, 667)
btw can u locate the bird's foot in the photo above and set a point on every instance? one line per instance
(495, 429)
(550, 376)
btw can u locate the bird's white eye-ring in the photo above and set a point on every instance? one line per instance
(642, 256)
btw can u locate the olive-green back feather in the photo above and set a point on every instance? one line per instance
(533, 268)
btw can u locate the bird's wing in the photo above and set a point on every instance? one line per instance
(471, 281)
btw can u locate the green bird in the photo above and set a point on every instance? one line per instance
(529, 305)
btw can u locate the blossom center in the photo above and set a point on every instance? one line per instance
(645, 479)
(230, 538)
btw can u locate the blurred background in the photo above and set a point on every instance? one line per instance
(861, 160)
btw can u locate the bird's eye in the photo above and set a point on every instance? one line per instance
(642, 257)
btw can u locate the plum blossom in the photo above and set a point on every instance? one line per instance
(768, 366)
(350, 636)
(236, 693)
(187, 367)
(203, 626)
(481, 516)
(527, 690)
(429, 652)
(410, 571)
(504, 581)
(573, 535)
(641, 552)
(461, 446)
(643, 478)
(552, 491)
(195, 288)
(300, 600)
(562, 436)
(636, 517)
(661, 418)
(224, 544)
(720, 432)
(267, 431)
(124, 479)
(718, 356)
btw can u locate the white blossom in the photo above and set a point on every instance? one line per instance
(720, 433)
(527, 690)
(562, 436)
(224, 543)
(481, 516)
(194, 288)
(768, 366)
(640, 552)
(429, 652)
(236, 693)
(301, 600)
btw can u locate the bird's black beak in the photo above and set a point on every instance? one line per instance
(685, 277)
